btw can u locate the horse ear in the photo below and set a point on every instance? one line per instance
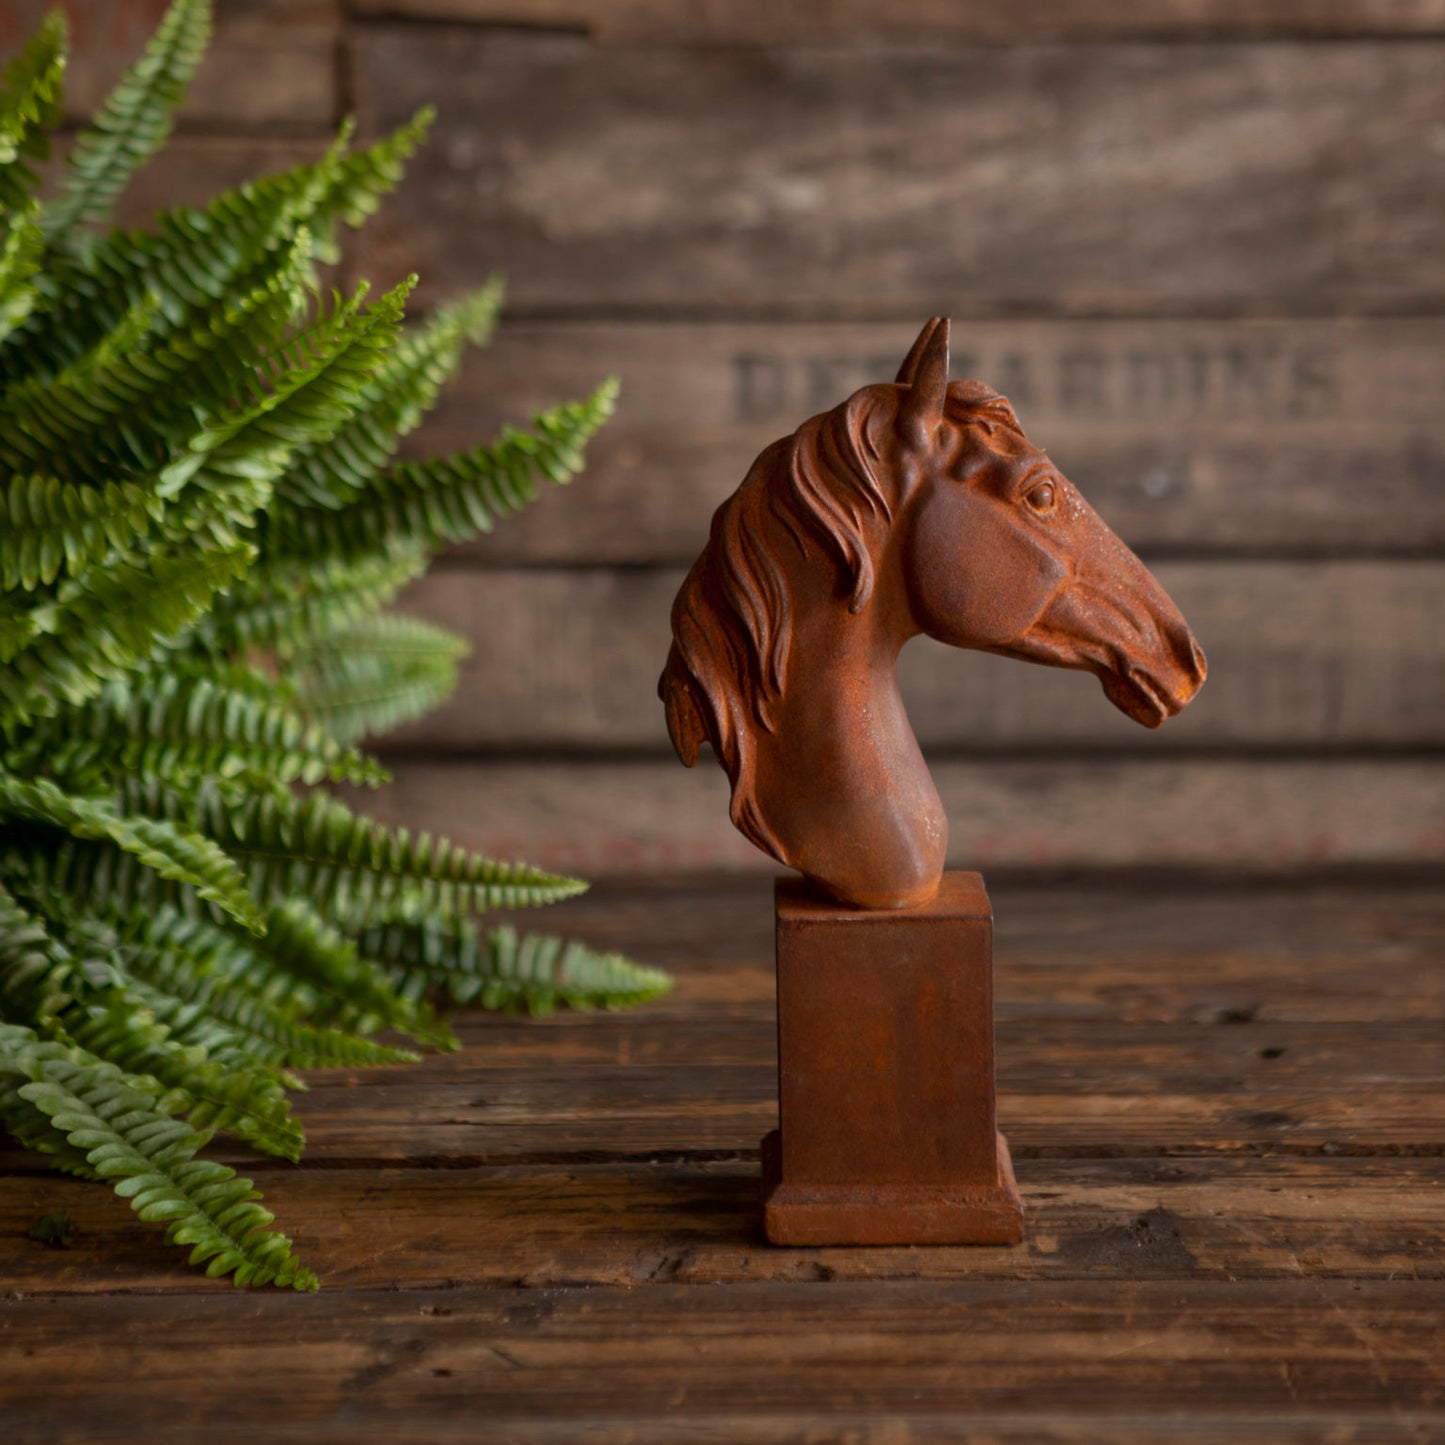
(909, 369)
(925, 373)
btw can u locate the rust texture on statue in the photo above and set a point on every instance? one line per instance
(887, 1131)
(916, 507)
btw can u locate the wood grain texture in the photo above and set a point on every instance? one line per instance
(1211, 437)
(757, 21)
(551, 1225)
(271, 64)
(1229, 1063)
(898, 180)
(1175, 952)
(1325, 654)
(447, 1358)
(1073, 1090)
(618, 816)
(1201, 1263)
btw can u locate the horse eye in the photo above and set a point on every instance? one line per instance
(1041, 497)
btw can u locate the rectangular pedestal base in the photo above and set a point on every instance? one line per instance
(887, 1130)
(889, 1213)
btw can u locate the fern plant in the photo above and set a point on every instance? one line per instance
(201, 520)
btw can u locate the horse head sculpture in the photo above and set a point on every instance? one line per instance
(918, 507)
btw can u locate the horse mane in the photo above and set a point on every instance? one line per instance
(732, 620)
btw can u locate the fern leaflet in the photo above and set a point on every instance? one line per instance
(451, 498)
(135, 120)
(47, 525)
(355, 870)
(502, 969)
(128, 1136)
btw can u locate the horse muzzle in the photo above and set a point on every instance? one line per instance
(1125, 629)
(1149, 694)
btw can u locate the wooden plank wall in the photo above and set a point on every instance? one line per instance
(1198, 242)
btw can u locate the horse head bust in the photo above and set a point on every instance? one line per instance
(918, 507)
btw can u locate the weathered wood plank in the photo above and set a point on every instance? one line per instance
(1226, 1057)
(1325, 654)
(1305, 1426)
(366, 1365)
(1173, 952)
(271, 63)
(1303, 939)
(1114, 990)
(757, 21)
(1231, 436)
(620, 1114)
(1190, 1055)
(623, 817)
(638, 1091)
(895, 180)
(542, 1226)
(1277, 1297)
(1194, 1020)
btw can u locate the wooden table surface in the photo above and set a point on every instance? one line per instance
(1226, 1109)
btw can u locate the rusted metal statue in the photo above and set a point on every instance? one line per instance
(916, 507)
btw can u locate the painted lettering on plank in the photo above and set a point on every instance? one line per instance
(1196, 380)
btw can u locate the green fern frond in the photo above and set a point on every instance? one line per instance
(472, 317)
(18, 627)
(108, 623)
(175, 853)
(502, 969)
(228, 471)
(32, 1129)
(29, 107)
(371, 676)
(177, 952)
(124, 343)
(80, 870)
(314, 374)
(201, 516)
(35, 973)
(186, 728)
(195, 258)
(450, 499)
(134, 121)
(130, 1138)
(300, 974)
(356, 870)
(282, 605)
(31, 90)
(231, 1025)
(390, 404)
(47, 525)
(355, 186)
(350, 991)
(230, 1097)
(192, 261)
(20, 257)
(358, 697)
(21, 939)
(103, 414)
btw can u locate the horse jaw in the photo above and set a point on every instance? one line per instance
(1116, 621)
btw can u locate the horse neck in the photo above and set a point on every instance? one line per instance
(842, 675)
(842, 763)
